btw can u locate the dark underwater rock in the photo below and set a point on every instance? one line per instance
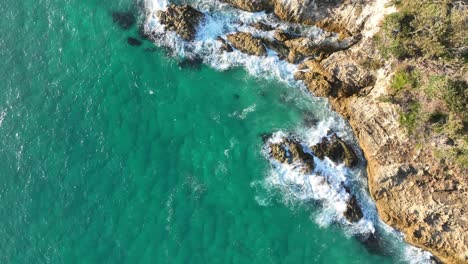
(125, 19)
(194, 63)
(373, 243)
(133, 41)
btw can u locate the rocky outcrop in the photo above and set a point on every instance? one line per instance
(414, 191)
(184, 20)
(225, 47)
(304, 11)
(251, 5)
(353, 212)
(336, 150)
(247, 43)
(291, 151)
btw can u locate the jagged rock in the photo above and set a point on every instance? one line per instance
(247, 43)
(251, 5)
(336, 150)
(343, 17)
(291, 151)
(318, 80)
(353, 212)
(261, 26)
(278, 47)
(282, 35)
(304, 11)
(224, 45)
(184, 20)
(331, 25)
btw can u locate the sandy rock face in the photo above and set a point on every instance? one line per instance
(251, 5)
(247, 43)
(184, 20)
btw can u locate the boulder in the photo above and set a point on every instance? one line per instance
(336, 150)
(247, 43)
(184, 20)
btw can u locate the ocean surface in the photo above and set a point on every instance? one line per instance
(113, 153)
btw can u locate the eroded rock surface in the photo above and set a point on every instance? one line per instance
(247, 43)
(251, 5)
(336, 150)
(184, 20)
(291, 151)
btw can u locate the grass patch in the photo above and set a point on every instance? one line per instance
(410, 118)
(404, 78)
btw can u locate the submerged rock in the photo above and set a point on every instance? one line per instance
(133, 41)
(194, 63)
(374, 243)
(291, 151)
(247, 43)
(125, 20)
(336, 150)
(184, 20)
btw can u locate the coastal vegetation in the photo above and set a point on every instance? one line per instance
(427, 40)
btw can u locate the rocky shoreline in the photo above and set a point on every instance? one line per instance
(414, 192)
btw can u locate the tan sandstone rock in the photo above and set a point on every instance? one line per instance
(184, 20)
(247, 43)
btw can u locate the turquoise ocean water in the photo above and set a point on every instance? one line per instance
(111, 153)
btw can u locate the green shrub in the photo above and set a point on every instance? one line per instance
(424, 28)
(456, 96)
(404, 78)
(409, 118)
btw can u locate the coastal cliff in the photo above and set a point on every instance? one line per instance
(419, 186)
